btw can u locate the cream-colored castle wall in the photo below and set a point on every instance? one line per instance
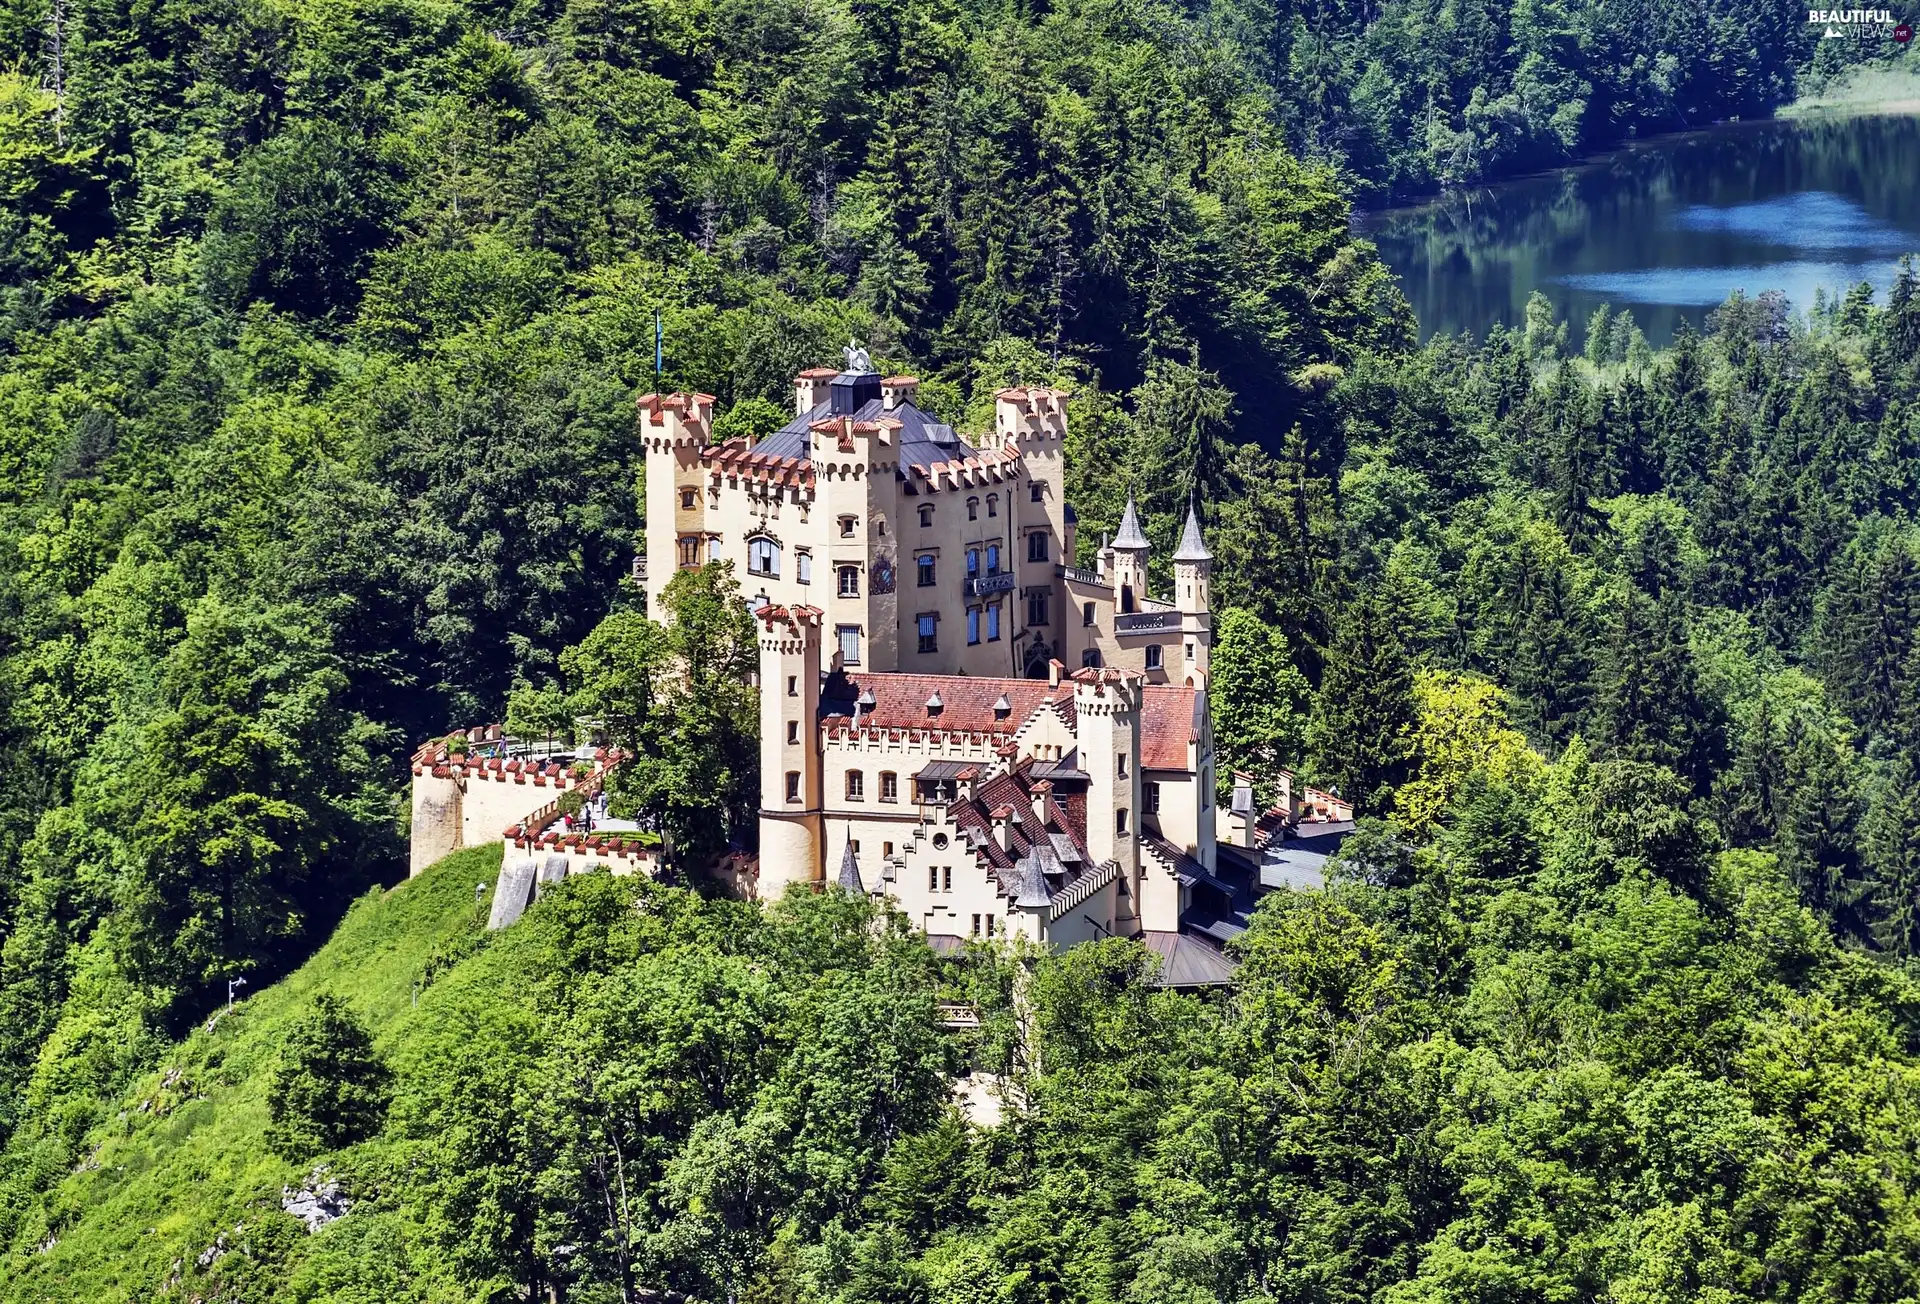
(582, 858)
(733, 504)
(435, 830)
(492, 804)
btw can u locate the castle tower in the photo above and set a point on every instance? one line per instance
(1106, 704)
(1129, 576)
(790, 793)
(1030, 422)
(673, 430)
(1192, 584)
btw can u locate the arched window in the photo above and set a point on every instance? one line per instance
(926, 516)
(763, 557)
(993, 504)
(973, 509)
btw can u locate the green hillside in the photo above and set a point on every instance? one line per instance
(183, 1158)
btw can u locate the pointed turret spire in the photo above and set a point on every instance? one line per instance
(1131, 535)
(1032, 890)
(1192, 546)
(850, 874)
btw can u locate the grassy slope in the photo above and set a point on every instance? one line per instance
(1867, 88)
(163, 1183)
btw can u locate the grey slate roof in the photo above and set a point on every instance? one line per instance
(1131, 535)
(1032, 877)
(921, 440)
(1192, 546)
(1186, 961)
(850, 873)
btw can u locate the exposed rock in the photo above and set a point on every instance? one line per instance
(212, 1254)
(315, 1202)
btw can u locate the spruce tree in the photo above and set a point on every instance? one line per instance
(1365, 707)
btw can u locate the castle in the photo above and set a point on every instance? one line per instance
(952, 714)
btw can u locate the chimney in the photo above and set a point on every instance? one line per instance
(963, 784)
(1245, 818)
(810, 389)
(1003, 827)
(1055, 669)
(1040, 792)
(895, 390)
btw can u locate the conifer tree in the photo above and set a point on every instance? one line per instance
(1650, 705)
(1358, 735)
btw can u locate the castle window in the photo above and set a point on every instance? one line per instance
(926, 516)
(803, 566)
(849, 639)
(928, 625)
(856, 786)
(880, 526)
(923, 566)
(1037, 609)
(1090, 659)
(793, 731)
(933, 878)
(1189, 650)
(993, 504)
(973, 563)
(973, 509)
(1037, 491)
(886, 848)
(1120, 820)
(993, 622)
(1126, 599)
(889, 787)
(849, 581)
(1150, 798)
(993, 559)
(686, 500)
(763, 557)
(793, 685)
(1153, 656)
(973, 626)
(793, 785)
(1037, 546)
(1119, 765)
(690, 551)
(847, 526)
(1087, 615)
(946, 878)
(976, 925)
(713, 547)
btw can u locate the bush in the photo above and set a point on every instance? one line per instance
(331, 1088)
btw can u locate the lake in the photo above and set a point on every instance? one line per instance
(1668, 227)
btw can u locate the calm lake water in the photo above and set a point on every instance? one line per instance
(1668, 227)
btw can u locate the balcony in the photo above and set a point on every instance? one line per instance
(981, 585)
(1147, 622)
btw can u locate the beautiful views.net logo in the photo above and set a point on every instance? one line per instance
(1859, 23)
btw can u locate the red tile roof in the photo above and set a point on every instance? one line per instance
(900, 702)
(1169, 720)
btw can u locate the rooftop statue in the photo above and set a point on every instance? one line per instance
(859, 361)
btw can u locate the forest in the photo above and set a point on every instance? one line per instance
(321, 330)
